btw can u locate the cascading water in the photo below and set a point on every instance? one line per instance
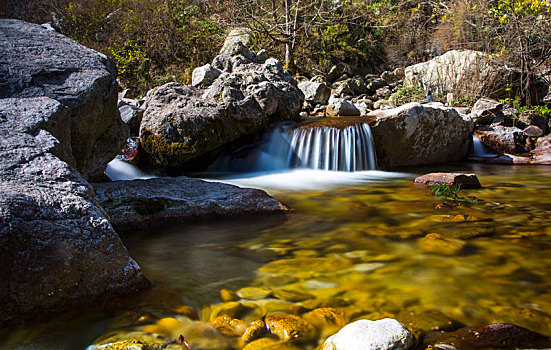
(480, 150)
(320, 147)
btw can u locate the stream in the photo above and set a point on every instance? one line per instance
(370, 242)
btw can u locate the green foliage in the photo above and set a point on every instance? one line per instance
(152, 42)
(451, 193)
(408, 94)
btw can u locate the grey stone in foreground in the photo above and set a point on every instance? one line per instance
(385, 334)
(417, 134)
(58, 251)
(462, 180)
(37, 62)
(140, 203)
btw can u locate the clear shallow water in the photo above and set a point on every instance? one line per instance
(372, 243)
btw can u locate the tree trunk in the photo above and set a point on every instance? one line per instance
(289, 55)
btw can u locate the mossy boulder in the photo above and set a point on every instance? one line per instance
(183, 122)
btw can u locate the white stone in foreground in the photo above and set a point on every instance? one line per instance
(385, 334)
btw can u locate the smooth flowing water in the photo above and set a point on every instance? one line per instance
(338, 144)
(372, 244)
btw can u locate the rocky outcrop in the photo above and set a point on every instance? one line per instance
(416, 134)
(58, 249)
(471, 73)
(385, 334)
(36, 62)
(503, 139)
(541, 155)
(183, 122)
(463, 181)
(141, 203)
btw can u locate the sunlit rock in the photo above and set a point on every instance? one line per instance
(417, 134)
(291, 327)
(385, 334)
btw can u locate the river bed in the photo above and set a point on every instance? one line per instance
(369, 242)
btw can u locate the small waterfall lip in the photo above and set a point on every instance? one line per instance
(119, 170)
(334, 144)
(480, 150)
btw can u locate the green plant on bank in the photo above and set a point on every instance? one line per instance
(408, 94)
(517, 105)
(451, 193)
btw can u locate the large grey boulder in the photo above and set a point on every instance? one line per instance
(140, 203)
(58, 249)
(385, 334)
(417, 134)
(37, 62)
(470, 73)
(182, 122)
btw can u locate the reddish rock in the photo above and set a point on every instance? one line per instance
(492, 336)
(130, 153)
(461, 180)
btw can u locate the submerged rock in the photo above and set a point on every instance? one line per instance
(290, 327)
(385, 334)
(140, 203)
(417, 134)
(269, 344)
(463, 181)
(493, 336)
(36, 62)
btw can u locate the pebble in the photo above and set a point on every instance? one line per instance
(291, 327)
(231, 327)
(253, 293)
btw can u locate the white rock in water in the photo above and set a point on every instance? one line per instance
(385, 334)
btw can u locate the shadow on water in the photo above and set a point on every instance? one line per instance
(201, 257)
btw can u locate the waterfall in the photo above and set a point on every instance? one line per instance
(480, 150)
(314, 146)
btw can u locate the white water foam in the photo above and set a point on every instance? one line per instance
(307, 179)
(118, 170)
(480, 150)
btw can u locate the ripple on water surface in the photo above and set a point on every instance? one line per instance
(368, 245)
